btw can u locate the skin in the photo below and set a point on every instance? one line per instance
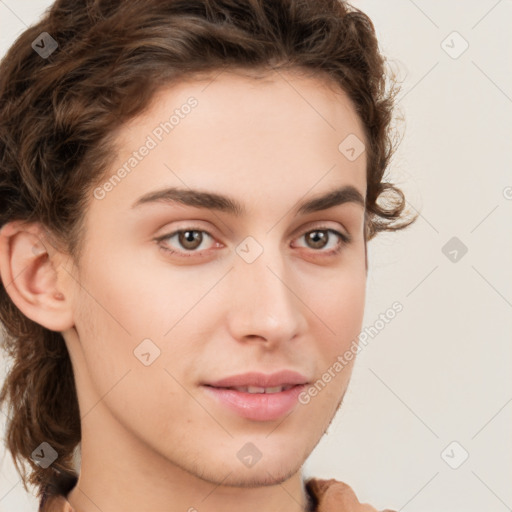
(152, 439)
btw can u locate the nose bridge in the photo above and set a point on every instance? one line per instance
(263, 303)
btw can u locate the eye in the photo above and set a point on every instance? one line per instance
(320, 237)
(189, 239)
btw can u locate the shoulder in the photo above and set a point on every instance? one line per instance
(332, 496)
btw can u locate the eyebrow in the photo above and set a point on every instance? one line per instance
(222, 203)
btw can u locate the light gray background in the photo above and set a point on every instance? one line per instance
(440, 371)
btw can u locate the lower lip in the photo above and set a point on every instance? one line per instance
(257, 406)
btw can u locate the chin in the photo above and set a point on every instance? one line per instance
(262, 477)
(263, 473)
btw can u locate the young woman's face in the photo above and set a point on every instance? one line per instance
(161, 316)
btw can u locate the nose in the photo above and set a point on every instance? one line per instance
(264, 305)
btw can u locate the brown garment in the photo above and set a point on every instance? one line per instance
(325, 496)
(335, 496)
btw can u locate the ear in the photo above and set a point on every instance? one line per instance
(34, 276)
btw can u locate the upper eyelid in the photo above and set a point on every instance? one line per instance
(319, 224)
(322, 226)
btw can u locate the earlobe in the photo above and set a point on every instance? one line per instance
(31, 274)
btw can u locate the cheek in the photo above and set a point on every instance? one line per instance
(340, 308)
(126, 362)
(136, 297)
(339, 301)
(129, 314)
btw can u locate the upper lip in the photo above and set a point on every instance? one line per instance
(281, 378)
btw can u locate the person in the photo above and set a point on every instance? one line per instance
(187, 190)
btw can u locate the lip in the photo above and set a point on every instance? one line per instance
(258, 406)
(281, 378)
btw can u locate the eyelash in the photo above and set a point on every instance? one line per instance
(344, 240)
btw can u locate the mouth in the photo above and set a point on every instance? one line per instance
(256, 403)
(256, 389)
(257, 381)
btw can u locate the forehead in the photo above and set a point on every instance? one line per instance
(265, 100)
(271, 139)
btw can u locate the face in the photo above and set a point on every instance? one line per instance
(176, 292)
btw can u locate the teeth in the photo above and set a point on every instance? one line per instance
(276, 389)
(256, 389)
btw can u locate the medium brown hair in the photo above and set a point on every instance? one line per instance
(59, 115)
